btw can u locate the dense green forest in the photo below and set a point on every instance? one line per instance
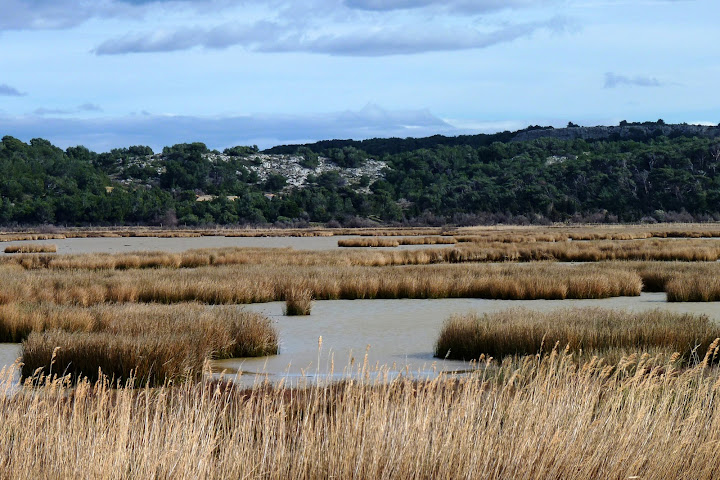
(645, 176)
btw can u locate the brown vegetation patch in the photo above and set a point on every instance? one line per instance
(264, 283)
(527, 332)
(158, 341)
(31, 248)
(298, 301)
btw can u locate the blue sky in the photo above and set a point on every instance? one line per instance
(113, 73)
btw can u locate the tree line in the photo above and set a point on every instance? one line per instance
(462, 180)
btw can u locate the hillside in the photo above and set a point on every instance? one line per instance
(640, 171)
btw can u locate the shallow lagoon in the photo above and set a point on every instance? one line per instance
(399, 334)
(181, 244)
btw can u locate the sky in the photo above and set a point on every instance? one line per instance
(115, 73)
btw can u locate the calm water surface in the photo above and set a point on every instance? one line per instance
(397, 333)
(153, 244)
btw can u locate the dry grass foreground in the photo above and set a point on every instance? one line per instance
(595, 331)
(536, 417)
(151, 343)
(263, 283)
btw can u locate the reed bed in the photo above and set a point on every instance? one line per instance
(265, 274)
(156, 342)
(369, 242)
(596, 331)
(264, 283)
(646, 250)
(544, 417)
(31, 248)
(147, 360)
(637, 250)
(496, 233)
(395, 242)
(587, 232)
(224, 331)
(693, 288)
(221, 232)
(298, 302)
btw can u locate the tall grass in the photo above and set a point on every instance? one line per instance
(529, 418)
(31, 248)
(485, 252)
(598, 331)
(64, 233)
(151, 360)
(693, 288)
(157, 342)
(263, 283)
(395, 241)
(298, 301)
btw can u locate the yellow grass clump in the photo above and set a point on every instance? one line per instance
(597, 331)
(395, 241)
(31, 248)
(157, 342)
(530, 418)
(298, 302)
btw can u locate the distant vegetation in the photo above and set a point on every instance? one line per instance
(638, 171)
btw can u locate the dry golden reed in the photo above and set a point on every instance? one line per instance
(298, 302)
(490, 252)
(31, 248)
(530, 418)
(263, 283)
(395, 241)
(594, 330)
(157, 342)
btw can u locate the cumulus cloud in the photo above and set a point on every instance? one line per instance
(8, 91)
(219, 132)
(613, 80)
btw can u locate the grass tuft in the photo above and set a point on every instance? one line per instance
(151, 343)
(527, 332)
(298, 301)
(31, 248)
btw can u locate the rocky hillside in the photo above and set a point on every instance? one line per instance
(258, 167)
(299, 176)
